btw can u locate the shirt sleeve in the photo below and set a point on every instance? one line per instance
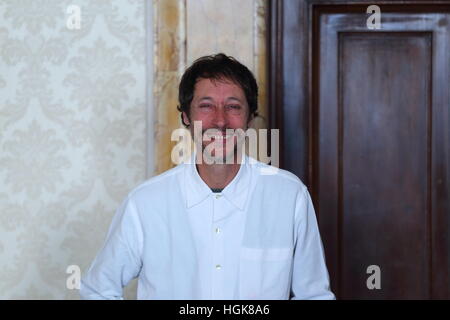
(119, 261)
(310, 279)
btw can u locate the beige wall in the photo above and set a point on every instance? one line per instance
(187, 30)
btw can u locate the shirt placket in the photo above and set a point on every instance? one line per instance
(219, 265)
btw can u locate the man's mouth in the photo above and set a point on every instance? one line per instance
(218, 136)
(221, 137)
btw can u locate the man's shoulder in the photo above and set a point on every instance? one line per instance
(158, 184)
(276, 177)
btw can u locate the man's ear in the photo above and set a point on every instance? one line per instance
(185, 119)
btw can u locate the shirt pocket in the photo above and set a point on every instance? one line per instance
(264, 273)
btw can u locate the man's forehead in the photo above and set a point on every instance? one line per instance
(207, 85)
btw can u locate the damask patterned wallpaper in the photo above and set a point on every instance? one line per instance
(72, 135)
(86, 114)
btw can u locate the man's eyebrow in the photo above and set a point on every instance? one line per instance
(234, 98)
(205, 98)
(228, 99)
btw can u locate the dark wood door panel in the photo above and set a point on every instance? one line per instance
(376, 127)
(364, 119)
(384, 143)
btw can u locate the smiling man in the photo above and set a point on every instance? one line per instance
(220, 106)
(215, 227)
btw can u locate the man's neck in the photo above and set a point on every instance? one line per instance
(217, 176)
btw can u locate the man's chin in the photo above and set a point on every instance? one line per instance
(220, 156)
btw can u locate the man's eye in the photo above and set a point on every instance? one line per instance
(237, 107)
(205, 106)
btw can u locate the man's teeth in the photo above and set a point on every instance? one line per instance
(221, 137)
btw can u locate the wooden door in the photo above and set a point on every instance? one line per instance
(364, 118)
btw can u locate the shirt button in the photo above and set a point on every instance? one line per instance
(217, 196)
(218, 230)
(218, 266)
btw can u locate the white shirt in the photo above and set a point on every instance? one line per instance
(257, 239)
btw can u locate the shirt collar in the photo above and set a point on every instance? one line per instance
(196, 190)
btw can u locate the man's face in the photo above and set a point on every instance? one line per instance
(220, 105)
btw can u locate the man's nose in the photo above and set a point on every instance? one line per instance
(220, 118)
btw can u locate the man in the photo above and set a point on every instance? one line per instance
(214, 230)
